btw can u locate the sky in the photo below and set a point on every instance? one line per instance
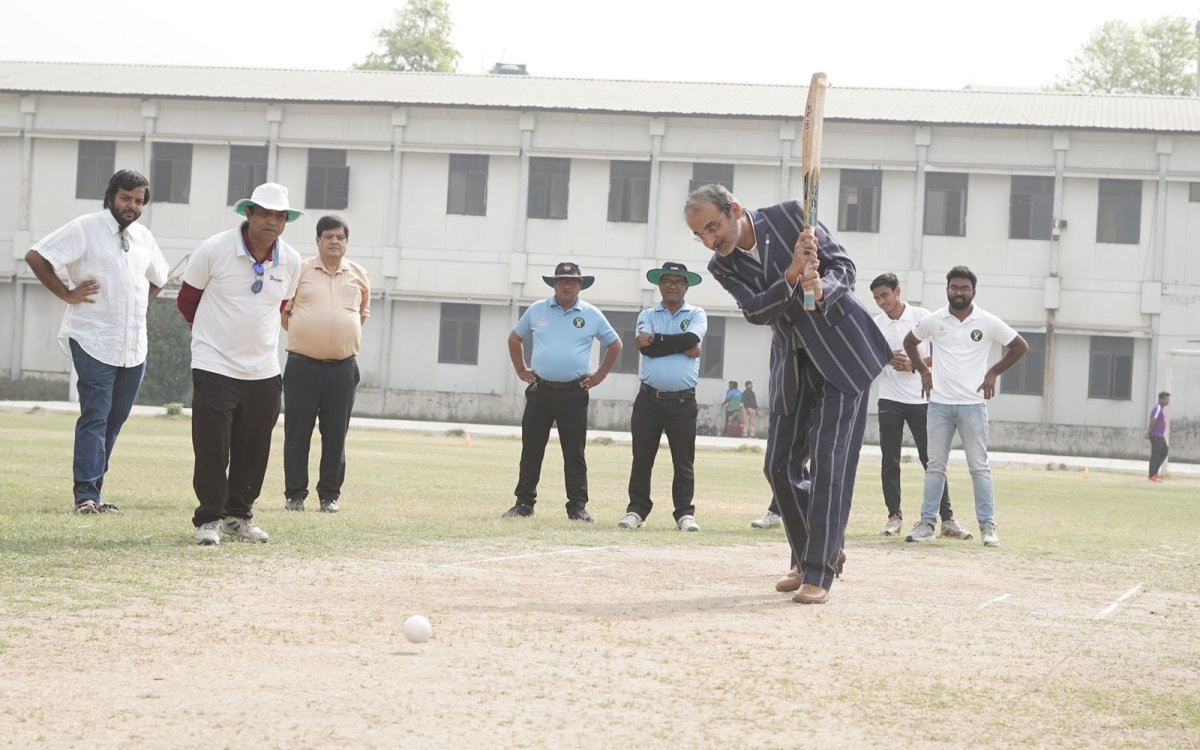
(918, 44)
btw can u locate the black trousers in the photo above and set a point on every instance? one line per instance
(544, 408)
(651, 417)
(1158, 453)
(893, 415)
(312, 390)
(232, 422)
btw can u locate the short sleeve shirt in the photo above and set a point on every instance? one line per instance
(960, 352)
(112, 326)
(678, 371)
(236, 332)
(903, 387)
(733, 400)
(562, 339)
(327, 311)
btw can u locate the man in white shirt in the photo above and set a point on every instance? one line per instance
(901, 402)
(962, 336)
(233, 291)
(116, 269)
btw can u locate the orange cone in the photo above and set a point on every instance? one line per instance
(1086, 474)
(467, 438)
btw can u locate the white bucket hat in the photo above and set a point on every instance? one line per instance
(271, 196)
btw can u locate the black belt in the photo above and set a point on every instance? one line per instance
(556, 386)
(669, 395)
(319, 361)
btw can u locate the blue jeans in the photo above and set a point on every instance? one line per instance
(106, 395)
(971, 421)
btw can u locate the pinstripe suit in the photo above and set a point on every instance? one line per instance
(822, 365)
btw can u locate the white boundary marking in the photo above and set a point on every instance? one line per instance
(505, 558)
(993, 601)
(1113, 607)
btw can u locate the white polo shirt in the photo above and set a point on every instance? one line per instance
(960, 352)
(236, 332)
(111, 327)
(904, 387)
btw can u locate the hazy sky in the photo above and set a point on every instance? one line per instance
(933, 44)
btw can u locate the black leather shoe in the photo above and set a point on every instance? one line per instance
(579, 514)
(518, 511)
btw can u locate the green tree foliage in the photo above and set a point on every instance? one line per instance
(1157, 57)
(418, 40)
(169, 361)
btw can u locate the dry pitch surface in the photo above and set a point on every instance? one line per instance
(616, 646)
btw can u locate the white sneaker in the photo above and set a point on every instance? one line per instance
(768, 521)
(244, 529)
(990, 537)
(893, 526)
(208, 534)
(687, 523)
(631, 521)
(921, 532)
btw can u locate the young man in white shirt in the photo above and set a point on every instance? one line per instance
(116, 270)
(961, 335)
(901, 402)
(233, 292)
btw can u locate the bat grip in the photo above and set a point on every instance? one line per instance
(810, 300)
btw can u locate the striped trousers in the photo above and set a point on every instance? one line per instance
(811, 463)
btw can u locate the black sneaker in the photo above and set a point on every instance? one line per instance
(520, 510)
(329, 506)
(294, 503)
(579, 514)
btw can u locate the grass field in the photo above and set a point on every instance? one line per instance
(116, 631)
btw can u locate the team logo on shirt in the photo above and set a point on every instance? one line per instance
(684, 325)
(578, 322)
(976, 335)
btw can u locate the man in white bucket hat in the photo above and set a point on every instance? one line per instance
(233, 290)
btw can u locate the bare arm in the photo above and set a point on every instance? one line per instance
(45, 273)
(1015, 350)
(911, 342)
(517, 355)
(611, 355)
(154, 290)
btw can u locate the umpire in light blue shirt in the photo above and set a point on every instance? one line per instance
(669, 337)
(562, 327)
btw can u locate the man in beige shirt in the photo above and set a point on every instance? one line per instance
(324, 324)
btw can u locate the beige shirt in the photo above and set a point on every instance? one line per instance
(328, 310)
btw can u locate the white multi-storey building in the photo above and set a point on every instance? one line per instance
(461, 191)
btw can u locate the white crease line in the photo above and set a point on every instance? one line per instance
(527, 555)
(1113, 607)
(993, 601)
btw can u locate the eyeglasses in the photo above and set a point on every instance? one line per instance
(256, 287)
(709, 228)
(124, 240)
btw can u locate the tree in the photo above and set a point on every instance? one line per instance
(1159, 57)
(418, 40)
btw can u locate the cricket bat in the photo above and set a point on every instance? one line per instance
(814, 115)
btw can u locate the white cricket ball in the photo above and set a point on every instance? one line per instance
(417, 629)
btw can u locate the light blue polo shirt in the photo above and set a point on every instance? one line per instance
(674, 372)
(562, 339)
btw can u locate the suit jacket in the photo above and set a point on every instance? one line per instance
(840, 337)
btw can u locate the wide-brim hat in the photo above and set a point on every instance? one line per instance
(271, 196)
(671, 268)
(569, 270)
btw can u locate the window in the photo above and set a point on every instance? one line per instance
(625, 324)
(1119, 215)
(1026, 376)
(549, 183)
(1194, 192)
(458, 339)
(709, 174)
(171, 172)
(96, 165)
(712, 349)
(328, 183)
(946, 204)
(1110, 370)
(1030, 208)
(247, 170)
(858, 200)
(629, 191)
(467, 194)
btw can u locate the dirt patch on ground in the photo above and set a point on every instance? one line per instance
(600, 647)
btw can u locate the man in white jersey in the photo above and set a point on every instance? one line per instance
(901, 402)
(961, 335)
(233, 292)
